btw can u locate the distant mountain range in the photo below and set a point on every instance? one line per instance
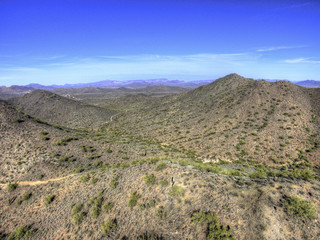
(127, 84)
(309, 83)
(16, 90)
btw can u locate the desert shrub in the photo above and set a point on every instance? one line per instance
(149, 179)
(49, 199)
(150, 236)
(305, 174)
(161, 212)
(300, 208)
(67, 159)
(45, 138)
(95, 211)
(110, 225)
(215, 230)
(152, 203)
(164, 183)
(40, 176)
(76, 209)
(44, 133)
(107, 206)
(133, 200)
(12, 186)
(94, 180)
(161, 166)
(199, 217)
(85, 178)
(234, 173)
(176, 191)
(78, 218)
(114, 181)
(26, 196)
(77, 214)
(18, 120)
(78, 170)
(260, 173)
(20, 233)
(109, 150)
(39, 120)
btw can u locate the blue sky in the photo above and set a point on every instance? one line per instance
(72, 41)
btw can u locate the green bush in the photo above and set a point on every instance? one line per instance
(305, 174)
(77, 215)
(133, 200)
(94, 180)
(49, 199)
(149, 179)
(76, 209)
(300, 208)
(45, 138)
(85, 178)
(20, 233)
(176, 191)
(109, 150)
(78, 218)
(95, 211)
(110, 225)
(214, 229)
(114, 181)
(78, 170)
(26, 196)
(108, 206)
(164, 183)
(18, 120)
(12, 186)
(260, 173)
(161, 166)
(161, 212)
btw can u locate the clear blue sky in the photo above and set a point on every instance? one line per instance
(71, 41)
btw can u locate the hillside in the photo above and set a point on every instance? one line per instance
(235, 159)
(235, 118)
(59, 110)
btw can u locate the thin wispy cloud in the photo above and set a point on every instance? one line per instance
(276, 48)
(301, 60)
(300, 5)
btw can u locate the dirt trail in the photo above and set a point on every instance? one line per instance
(34, 183)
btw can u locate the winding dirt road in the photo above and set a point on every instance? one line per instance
(34, 183)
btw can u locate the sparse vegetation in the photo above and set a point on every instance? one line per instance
(12, 186)
(176, 191)
(149, 179)
(215, 229)
(299, 208)
(133, 200)
(109, 226)
(107, 206)
(49, 199)
(114, 181)
(21, 232)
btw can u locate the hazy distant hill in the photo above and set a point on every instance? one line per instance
(59, 110)
(14, 91)
(126, 83)
(309, 84)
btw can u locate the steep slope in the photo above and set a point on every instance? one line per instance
(235, 118)
(59, 110)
